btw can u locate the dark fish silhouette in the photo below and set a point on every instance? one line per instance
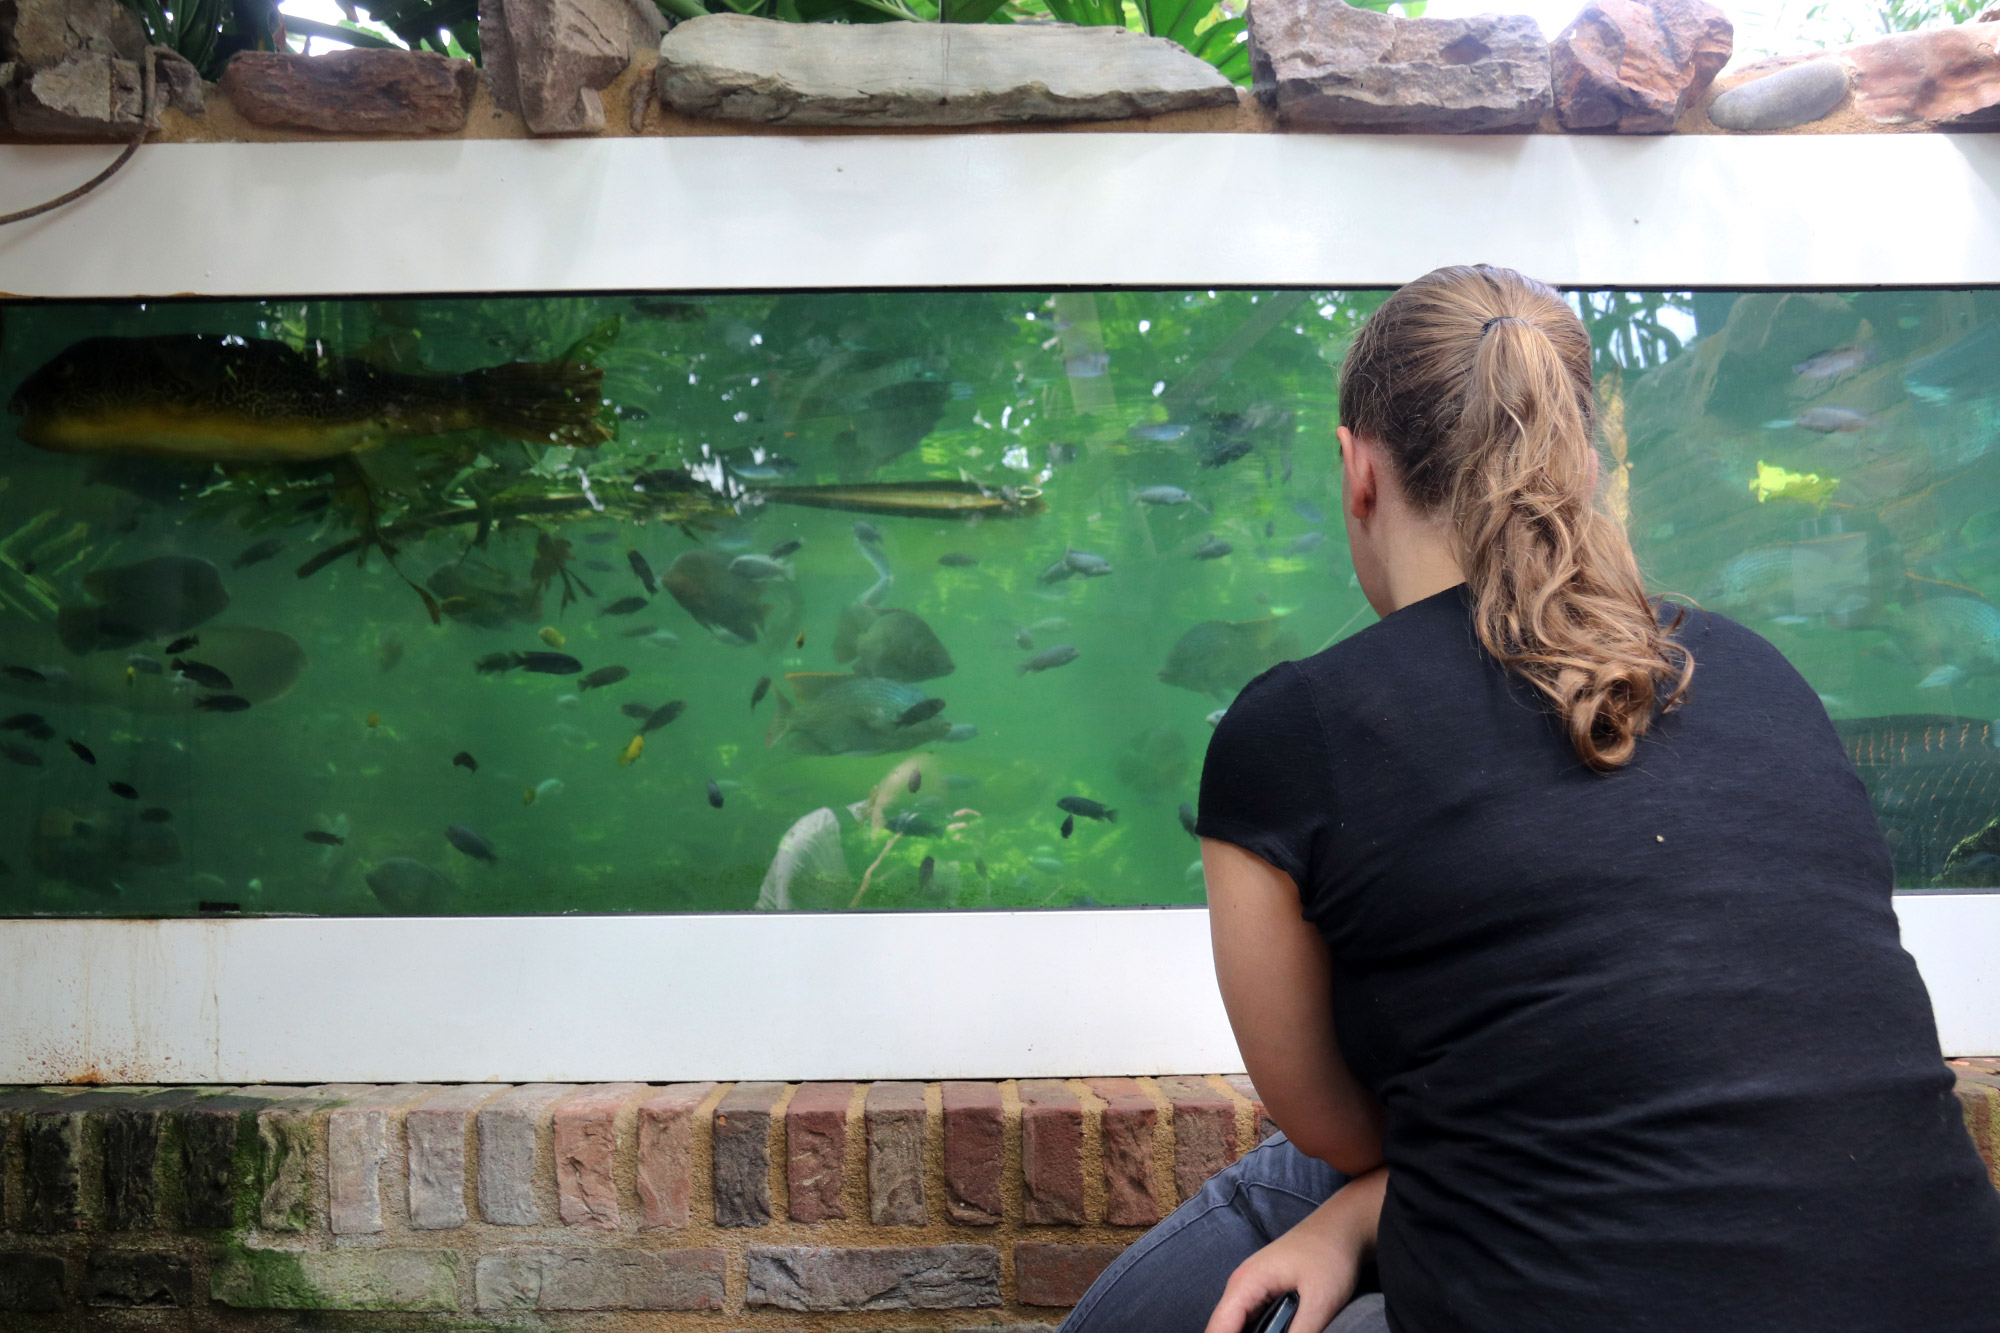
(1089, 809)
(635, 710)
(156, 815)
(920, 712)
(23, 722)
(1049, 658)
(714, 794)
(722, 601)
(758, 691)
(916, 779)
(463, 759)
(547, 664)
(149, 599)
(82, 751)
(124, 790)
(202, 674)
(182, 644)
(255, 555)
(790, 546)
(222, 703)
(925, 869)
(915, 825)
(644, 571)
(20, 754)
(325, 839)
(1068, 825)
(1187, 819)
(27, 675)
(662, 715)
(957, 560)
(626, 606)
(471, 843)
(603, 676)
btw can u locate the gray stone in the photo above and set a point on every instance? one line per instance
(285, 1150)
(1795, 96)
(138, 1278)
(895, 1122)
(358, 1139)
(872, 74)
(31, 1282)
(576, 1279)
(1634, 66)
(437, 1132)
(1326, 65)
(510, 1129)
(337, 1280)
(47, 32)
(740, 1135)
(902, 1277)
(87, 95)
(547, 60)
(356, 91)
(52, 1152)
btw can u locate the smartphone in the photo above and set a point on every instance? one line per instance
(1275, 1317)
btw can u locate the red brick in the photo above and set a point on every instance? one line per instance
(586, 1145)
(358, 1154)
(436, 1133)
(1266, 1127)
(666, 1153)
(1980, 1100)
(1204, 1132)
(741, 1136)
(1059, 1274)
(1051, 1153)
(975, 1153)
(1128, 1119)
(816, 1150)
(895, 1115)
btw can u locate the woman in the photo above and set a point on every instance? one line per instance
(1554, 925)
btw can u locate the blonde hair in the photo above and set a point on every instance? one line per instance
(1476, 381)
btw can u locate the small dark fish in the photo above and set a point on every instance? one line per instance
(325, 839)
(626, 606)
(23, 722)
(154, 814)
(639, 632)
(1187, 819)
(42, 732)
(662, 715)
(82, 751)
(222, 703)
(27, 675)
(758, 691)
(1212, 548)
(258, 554)
(644, 571)
(603, 676)
(791, 546)
(494, 663)
(867, 532)
(1305, 543)
(957, 560)
(1270, 529)
(1089, 809)
(635, 710)
(144, 665)
(463, 759)
(548, 664)
(202, 674)
(182, 644)
(920, 712)
(600, 566)
(916, 779)
(125, 791)
(714, 794)
(471, 843)
(1068, 825)
(915, 825)
(1056, 573)
(1049, 658)
(20, 754)
(800, 642)
(925, 869)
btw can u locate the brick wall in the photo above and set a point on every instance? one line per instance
(940, 1206)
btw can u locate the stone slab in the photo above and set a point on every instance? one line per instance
(547, 61)
(32, 1283)
(1791, 97)
(578, 1279)
(1948, 77)
(666, 1153)
(356, 91)
(896, 1120)
(816, 1151)
(360, 1149)
(436, 1134)
(1051, 1153)
(46, 32)
(285, 1153)
(1058, 1275)
(740, 1134)
(138, 1279)
(975, 1153)
(880, 74)
(902, 1277)
(510, 1131)
(585, 1134)
(336, 1280)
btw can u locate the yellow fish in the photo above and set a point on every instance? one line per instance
(527, 796)
(552, 636)
(630, 755)
(374, 719)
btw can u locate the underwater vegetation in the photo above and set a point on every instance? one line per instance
(853, 600)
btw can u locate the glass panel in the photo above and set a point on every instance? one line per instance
(889, 600)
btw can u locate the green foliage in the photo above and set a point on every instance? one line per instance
(1909, 15)
(436, 24)
(208, 32)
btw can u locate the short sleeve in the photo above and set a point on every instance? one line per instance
(1266, 785)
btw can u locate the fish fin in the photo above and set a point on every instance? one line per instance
(781, 719)
(1946, 675)
(1784, 424)
(541, 402)
(809, 685)
(1110, 815)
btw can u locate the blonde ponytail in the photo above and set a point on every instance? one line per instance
(1476, 381)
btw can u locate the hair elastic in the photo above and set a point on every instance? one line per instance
(1485, 328)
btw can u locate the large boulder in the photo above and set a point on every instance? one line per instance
(1944, 76)
(548, 60)
(1324, 64)
(1634, 66)
(879, 74)
(356, 91)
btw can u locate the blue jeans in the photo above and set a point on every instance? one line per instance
(1171, 1277)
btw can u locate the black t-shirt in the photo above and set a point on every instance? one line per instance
(1652, 1053)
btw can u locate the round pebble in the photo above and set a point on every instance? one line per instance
(1795, 96)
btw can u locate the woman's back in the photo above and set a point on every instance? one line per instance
(1652, 1053)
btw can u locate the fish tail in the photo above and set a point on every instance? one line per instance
(781, 719)
(1110, 816)
(542, 402)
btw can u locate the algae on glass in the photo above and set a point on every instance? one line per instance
(645, 602)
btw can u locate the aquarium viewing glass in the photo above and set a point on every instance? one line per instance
(910, 600)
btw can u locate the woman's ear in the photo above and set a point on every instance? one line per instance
(1359, 480)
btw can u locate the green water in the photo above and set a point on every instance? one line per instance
(1822, 466)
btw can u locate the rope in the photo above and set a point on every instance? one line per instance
(138, 137)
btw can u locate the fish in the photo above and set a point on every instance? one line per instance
(635, 710)
(643, 571)
(920, 712)
(630, 754)
(1162, 495)
(1220, 657)
(324, 839)
(1049, 658)
(1155, 761)
(1159, 432)
(759, 568)
(960, 731)
(1963, 369)
(912, 824)
(916, 779)
(912, 499)
(1308, 511)
(926, 868)
(789, 547)
(155, 814)
(1825, 421)
(833, 713)
(1056, 573)
(463, 759)
(408, 887)
(646, 632)
(202, 674)
(809, 866)
(144, 665)
(471, 843)
(598, 679)
(626, 606)
(894, 644)
(662, 716)
(1024, 639)
(256, 555)
(226, 398)
(714, 794)
(149, 599)
(20, 754)
(865, 531)
(1959, 631)
(758, 691)
(600, 566)
(552, 636)
(24, 722)
(477, 591)
(1839, 361)
(1270, 529)
(123, 790)
(1088, 565)
(26, 675)
(527, 796)
(800, 642)
(1186, 813)
(182, 644)
(390, 655)
(1305, 543)
(1089, 809)
(760, 466)
(547, 664)
(1068, 825)
(82, 751)
(721, 601)
(547, 788)
(1212, 548)
(222, 703)
(957, 560)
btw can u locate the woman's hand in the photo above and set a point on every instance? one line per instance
(1320, 1259)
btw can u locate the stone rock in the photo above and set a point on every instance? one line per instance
(1797, 95)
(1947, 76)
(874, 74)
(1329, 66)
(177, 83)
(1634, 66)
(547, 60)
(356, 91)
(88, 95)
(47, 32)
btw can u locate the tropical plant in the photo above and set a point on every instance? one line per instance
(208, 32)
